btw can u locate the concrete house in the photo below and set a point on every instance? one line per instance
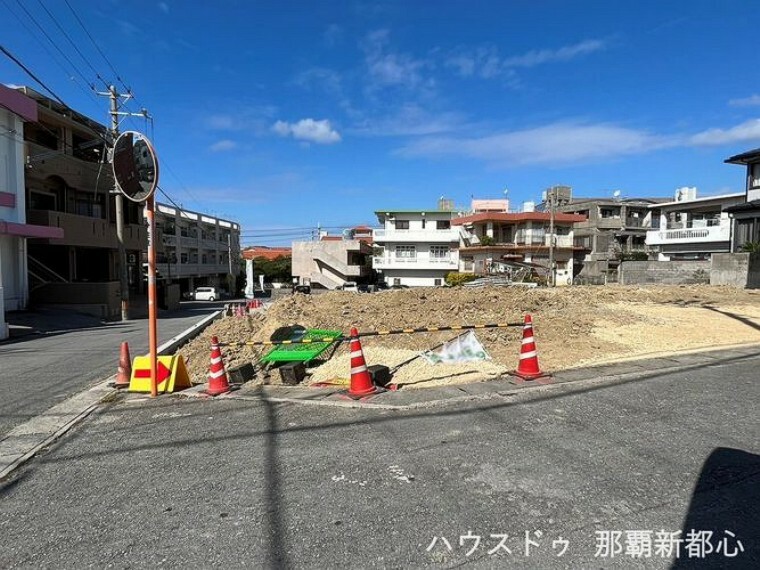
(331, 261)
(507, 243)
(692, 228)
(746, 215)
(612, 226)
(416, 248)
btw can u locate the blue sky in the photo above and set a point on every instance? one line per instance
(284, 115)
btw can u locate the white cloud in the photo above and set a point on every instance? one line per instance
(387, 68)
(747, 131)
(571, 142)
(565, 53)
(486, 62)
(223, 145)
(332, 35)
(309, 130)
(750, 101)
(564, 142)
(321, 78)
(164, 7)
(410, 120)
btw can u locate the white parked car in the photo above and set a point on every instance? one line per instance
(206, 294)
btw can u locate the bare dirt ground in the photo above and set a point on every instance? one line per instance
(574, 326)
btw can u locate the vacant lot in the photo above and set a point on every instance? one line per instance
(574, 326)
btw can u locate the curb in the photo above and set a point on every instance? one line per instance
(26, 440)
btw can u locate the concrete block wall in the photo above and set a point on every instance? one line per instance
(664, 272)
(740, 270)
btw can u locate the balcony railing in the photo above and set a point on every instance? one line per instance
(690, 235)
(417, 236)
(418, 262)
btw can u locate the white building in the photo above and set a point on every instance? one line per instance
(691, 228)
(415, 248)
(15, 109)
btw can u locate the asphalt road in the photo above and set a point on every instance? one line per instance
(72, 352)
(243, 484)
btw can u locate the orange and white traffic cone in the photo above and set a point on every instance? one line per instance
(125, 367)
(361, 381)
(217, 375)
(528, 369)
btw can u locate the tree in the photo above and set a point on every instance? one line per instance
(278, 269)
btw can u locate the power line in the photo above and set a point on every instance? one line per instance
(55, 45)
(50, 53)
(74, 45)
(97, 47)
(32, 75)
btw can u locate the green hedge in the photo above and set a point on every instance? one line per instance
(455, 279)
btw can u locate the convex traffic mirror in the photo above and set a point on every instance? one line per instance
(135, 166)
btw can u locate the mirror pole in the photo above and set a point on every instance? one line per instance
(150, 209)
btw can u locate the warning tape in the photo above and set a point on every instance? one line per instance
(372, 333)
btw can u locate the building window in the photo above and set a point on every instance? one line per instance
(402, 224)
(437, 282)
(396, 281)
(183, 258)
(754, 175)
(439, 251)
(609, 212)
(745, 232)
(406, 252)
(443, 224)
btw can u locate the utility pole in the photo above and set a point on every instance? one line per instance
(551, 195)
(123, 279)
(114, 96)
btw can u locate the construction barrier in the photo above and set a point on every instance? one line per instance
(373, 333)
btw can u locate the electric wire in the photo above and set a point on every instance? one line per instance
(51, 54)
(31, 74)
(74, 45)
(55, 45)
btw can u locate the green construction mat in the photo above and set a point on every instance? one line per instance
(302, 352)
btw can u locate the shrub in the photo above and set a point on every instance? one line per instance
(751, 247)
(455, 279)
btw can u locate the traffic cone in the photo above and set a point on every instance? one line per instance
(361, 382)
(217, 375)
(528, 369)
(125, 367)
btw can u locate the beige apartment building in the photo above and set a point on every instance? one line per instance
(69, 190)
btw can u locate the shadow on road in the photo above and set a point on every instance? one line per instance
(726, 499)
(277, 556)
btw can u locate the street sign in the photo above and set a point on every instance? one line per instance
(171, 374)
(135, 166)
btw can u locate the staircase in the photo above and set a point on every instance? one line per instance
(40, 274)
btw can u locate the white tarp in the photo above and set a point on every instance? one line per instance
(465, 348)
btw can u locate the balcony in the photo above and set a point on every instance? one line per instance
(706, 234)
(418, 262)
(90, 232)
(416, 236)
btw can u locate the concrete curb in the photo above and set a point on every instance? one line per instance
(26, 440)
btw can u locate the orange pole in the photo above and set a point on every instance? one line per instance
(150, 208)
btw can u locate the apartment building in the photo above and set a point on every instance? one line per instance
(416, 247)
(64, 188)
(196, 249)
(613, 227)
(16, 109)
(746, 215)
(692, 228)
(331, 261)
(509, 243)
(68, 190)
